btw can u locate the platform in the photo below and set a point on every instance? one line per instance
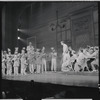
(85, 79)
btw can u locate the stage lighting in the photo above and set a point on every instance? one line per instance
(18, 38)
(18, 29)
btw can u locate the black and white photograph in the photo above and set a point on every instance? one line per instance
(50, 50)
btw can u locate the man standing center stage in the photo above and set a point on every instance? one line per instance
(65, 47)
(65, 51)
(53, 60)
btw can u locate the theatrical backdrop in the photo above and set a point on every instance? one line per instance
(77, 25)
(46, 24)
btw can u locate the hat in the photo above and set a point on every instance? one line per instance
(43, 48)
(16, 48)
(91, 47)
(23, 48)
(62, 42)
(4, 51)
(37, 49)
(9, 50)
(16, 51)
(52, 48)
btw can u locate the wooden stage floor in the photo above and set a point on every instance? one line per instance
(84, 79)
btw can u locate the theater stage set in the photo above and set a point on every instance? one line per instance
(52, 85)
(39, 23)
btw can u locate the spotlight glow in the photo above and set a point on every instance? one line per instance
(18, 38)
(18, 29)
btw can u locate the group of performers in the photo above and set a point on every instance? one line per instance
(36, 60)
(85, 59)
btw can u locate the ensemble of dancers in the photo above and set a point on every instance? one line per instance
(35, 60)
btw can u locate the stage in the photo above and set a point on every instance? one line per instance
(84, 79)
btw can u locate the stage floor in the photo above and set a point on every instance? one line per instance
(85, 79)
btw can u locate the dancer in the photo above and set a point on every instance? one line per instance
(9, 62)
(94, 55)
(23, 62)
(96, 60)
(80, 61)
(16, 61)
(38, 61)
(65, 47)
(31, 63)
(30, 48)
(3, 64)
(66, 65)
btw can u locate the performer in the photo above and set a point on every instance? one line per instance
(80, 61)
(31, 60)
(3, 64)
(23, 62)
(65, 56)
(65, 47)
(38, 61)
(43, 60)
(53, 60)
(16, 61)
(73, 59)
(9, 62)
(66, 65)
(30, 48)
(95, 55)
(90, 55)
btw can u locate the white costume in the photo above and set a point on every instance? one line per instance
(23, 64)
(65, 48)
(65, 57)
(66, 62)
(9, 64)
(80, 62)
(38, 62)
(16, 64)
(31, 59)
(53, 61)
(30, 49)
(3, 65)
